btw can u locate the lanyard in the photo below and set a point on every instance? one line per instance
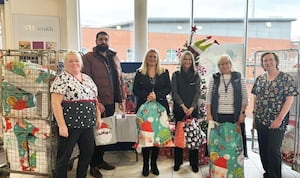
(226, 85)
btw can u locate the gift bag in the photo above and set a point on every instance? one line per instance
(226, 151)
(188, 134)
(153, 126)
(106, 134)
(211, 125)
(193, 133)
(179, 140)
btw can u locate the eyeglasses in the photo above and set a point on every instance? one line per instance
(224, 64)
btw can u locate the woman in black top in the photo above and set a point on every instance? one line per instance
(151, 82)
(186, 93)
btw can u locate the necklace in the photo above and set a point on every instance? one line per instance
(225, 84)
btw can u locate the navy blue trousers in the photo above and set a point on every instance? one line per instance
(270, 141)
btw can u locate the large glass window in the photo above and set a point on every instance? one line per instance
(114, 17)
(169, 23)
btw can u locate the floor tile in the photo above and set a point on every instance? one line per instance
(127, 166)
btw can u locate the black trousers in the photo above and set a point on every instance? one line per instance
(178, 157)
(244, 138)
(65, 145)
(270, 141)
(98, 154)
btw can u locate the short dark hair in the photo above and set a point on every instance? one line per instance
(275, 57)
(101, 33)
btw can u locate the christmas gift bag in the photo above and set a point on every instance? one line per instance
(193, 133)
(106, 134)
(153, 126)
(188, 134)
(179, 139)
(226, 151)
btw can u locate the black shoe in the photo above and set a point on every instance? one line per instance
(195, 169)
(154, 170)
(94, 172)
(176, 167)
(266, 175)
(106, 166)
(145, 171)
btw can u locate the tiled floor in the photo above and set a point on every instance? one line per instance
(127, 167)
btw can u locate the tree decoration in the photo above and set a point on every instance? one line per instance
(198, 46)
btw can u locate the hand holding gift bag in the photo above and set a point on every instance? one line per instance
(188, 133)
(153, 126)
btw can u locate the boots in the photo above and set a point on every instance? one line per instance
(145, 153)
(154, 156)
(178, 158)
(193, 157)
(145, 169)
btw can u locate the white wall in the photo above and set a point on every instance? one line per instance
(65, 10)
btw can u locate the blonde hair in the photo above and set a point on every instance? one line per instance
(73, 52)
(226, 58)
(186, 53)
(144, 67)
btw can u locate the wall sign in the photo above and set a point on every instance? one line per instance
(36, 32)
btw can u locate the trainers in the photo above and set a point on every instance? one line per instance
(94, 172)
(106, 166)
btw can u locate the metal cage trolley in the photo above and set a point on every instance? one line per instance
(29, 135)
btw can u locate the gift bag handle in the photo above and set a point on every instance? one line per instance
(188, 117)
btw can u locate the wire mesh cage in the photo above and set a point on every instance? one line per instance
(28, 132)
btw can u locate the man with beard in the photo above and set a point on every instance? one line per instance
(103, 66)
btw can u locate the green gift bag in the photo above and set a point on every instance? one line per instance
(226, 151)
(153, 126)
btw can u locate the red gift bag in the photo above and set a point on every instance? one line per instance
(179, 139)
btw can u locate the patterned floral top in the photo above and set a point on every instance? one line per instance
(79, 104)
(271, 97)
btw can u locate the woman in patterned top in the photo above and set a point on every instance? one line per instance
(274, 95)
(74, 103)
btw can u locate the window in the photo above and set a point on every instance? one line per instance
(130, 55)
(84, 50)
(171, 56)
